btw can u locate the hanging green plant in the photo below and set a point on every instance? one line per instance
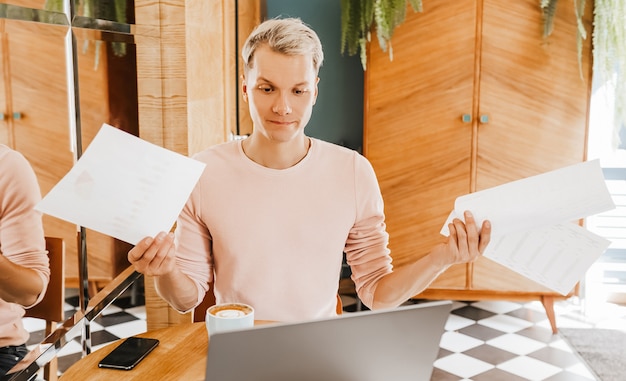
(609, 48)
(548, 8)
(359, 17)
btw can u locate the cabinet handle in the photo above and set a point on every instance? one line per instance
(466, 118)
(484, 119)
(17, 115)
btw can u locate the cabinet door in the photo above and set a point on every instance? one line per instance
(37, 92)
(414, 133)
(39, 99)
(537, 104)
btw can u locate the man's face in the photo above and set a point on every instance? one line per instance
(281, 91)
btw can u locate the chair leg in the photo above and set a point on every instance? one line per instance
(92, 288)
(50, 370)
(548, 305)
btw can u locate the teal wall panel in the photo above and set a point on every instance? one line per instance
(338, 114)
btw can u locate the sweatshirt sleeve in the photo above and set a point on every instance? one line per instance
(366, 246)
(21, 228)
(193, 247)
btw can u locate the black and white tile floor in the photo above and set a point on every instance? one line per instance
(125, 317)
(484, 341)
(487, 341)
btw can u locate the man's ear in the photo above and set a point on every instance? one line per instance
(244, 88)
(316, 90)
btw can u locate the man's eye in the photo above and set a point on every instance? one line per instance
(265, 89)
(299, 91)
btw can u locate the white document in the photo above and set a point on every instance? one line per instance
(565, 194)
(124, 187)
(556, 256)
(532, 223)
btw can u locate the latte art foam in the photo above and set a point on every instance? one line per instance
(230, 314)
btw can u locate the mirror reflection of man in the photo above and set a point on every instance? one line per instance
(24, 265)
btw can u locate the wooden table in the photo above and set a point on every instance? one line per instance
(180, 355)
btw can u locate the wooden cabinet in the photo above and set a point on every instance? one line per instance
(474, 97)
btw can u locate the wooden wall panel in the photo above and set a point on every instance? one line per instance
(161, 78)
(210, 54)
(249, 15)
(187, 85)
(161, 85)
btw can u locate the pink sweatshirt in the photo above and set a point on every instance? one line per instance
(21, 235)
(275, 239)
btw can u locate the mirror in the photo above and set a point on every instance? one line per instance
(67, 67)
(89, 73)
(164, 88)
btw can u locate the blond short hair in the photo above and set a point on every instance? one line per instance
(289, 36)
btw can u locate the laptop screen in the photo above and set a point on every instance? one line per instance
(395, 344)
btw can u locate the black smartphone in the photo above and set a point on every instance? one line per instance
(129, 353)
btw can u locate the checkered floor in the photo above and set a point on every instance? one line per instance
(484, 341)
(125, 317)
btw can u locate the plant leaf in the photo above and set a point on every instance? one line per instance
(549, 9)
(416, 5)
(581, 33)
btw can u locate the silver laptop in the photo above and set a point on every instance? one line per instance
(396, 344)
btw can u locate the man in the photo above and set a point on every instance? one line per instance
(24, 266)
(271, 215)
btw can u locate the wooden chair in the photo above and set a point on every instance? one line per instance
(339, 308)
(51, 308)
(199, 312)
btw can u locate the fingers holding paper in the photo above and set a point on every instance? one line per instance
(466, 242)
(154, 256)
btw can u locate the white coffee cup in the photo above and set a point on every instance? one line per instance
(228, 317)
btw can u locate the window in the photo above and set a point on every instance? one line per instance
(606, 280)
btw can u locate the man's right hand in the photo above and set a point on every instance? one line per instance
(154, 256)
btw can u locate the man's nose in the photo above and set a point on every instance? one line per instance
(282, 106)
